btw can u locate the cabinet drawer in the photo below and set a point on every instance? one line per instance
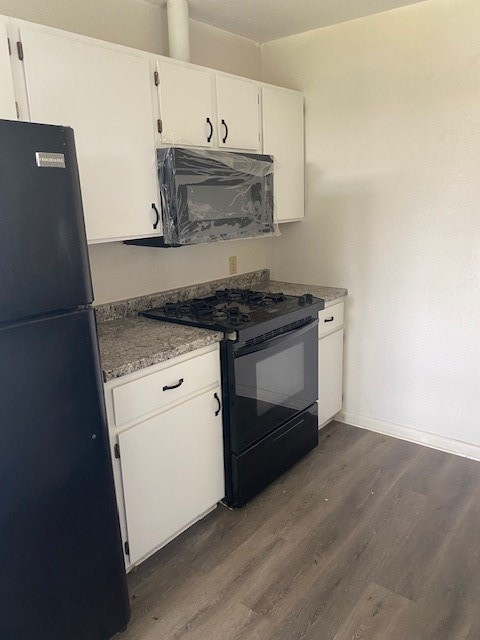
(330, 319)
(140, 397)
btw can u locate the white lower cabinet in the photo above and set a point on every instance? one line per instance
(172, 471)
(168, 459)
(330, 369)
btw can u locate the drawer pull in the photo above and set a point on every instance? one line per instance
(173, 386)
(215, 395)
(331, 319)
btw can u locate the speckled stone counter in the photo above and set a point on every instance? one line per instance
(131, 344)
(131, 306)
(329, 294)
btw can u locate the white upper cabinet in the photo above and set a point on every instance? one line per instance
(186, 105)
(283, 137)
(199, 108)
(237, 113)
(106, 96)
(7, 97)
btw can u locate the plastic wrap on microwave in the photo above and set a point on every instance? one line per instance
(210, 195)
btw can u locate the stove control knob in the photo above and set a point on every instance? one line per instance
(309, 298)
(302, 300)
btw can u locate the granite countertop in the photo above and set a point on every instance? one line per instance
(129, 343)
(291, 289)
(133, 343)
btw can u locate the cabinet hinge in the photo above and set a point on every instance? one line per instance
(116, 450)
(127, 548)
(159, 126)
(156, 78)
(9, 47)
(17, 109)
(20, 50)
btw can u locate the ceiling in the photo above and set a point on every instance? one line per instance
(263, 20)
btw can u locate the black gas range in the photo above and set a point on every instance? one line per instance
(238, 310)
(269, 379)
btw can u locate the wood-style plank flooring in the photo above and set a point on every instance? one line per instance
(368, 537)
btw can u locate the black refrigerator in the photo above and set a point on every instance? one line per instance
(62, 574)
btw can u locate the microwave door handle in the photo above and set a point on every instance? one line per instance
(270, 343)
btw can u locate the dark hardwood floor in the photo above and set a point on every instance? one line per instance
(368, 537)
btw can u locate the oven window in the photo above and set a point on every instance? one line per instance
(288, 382)
(273, 383)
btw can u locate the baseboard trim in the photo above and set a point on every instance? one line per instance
(424, 438)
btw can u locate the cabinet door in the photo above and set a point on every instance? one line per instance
(283, 138)
(330, 376)
(105, 95)
(238, 113)
(172, 471)
(186, 105)
(7, 96)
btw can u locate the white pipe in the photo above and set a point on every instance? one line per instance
(178, 30)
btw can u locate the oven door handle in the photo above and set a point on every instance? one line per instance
(270, 343)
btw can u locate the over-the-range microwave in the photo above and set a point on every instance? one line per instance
(209, 195)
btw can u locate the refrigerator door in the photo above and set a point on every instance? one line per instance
(62, 573)
(43, 250)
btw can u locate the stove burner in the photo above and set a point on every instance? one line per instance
(219, 315)
(277, 297)
(234, 311)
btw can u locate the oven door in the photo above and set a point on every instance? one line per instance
(273, 381)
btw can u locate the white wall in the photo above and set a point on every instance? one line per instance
(133, 23)
(393, 205)
(119, 271)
